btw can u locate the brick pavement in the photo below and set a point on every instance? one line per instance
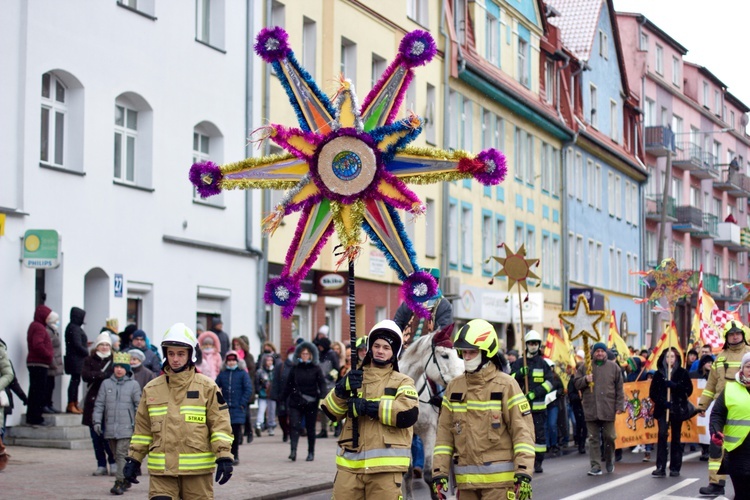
(264, 473)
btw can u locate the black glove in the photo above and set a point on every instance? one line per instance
(671, 384)
(436, 401)
(440, 487)
(223, 470)
(349, 384)
(360, 407)
(523, 486)
(131, 470)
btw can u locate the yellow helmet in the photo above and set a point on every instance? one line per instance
(477, 334)
(734, 326)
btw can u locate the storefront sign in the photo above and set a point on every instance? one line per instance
(498, 307)
(377, 263)
(41, 249)
(331, 283)
(596, 300)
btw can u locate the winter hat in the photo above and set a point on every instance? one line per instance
(114, 337)
(745, 359)
(103, 338)
(139, 334)
(122, 359)
(323, 330)
(137, 354)
(207, 341)
(599, 345)
(325, 343)
(580, 353)
(290, 350)
(52, 318)
(231, 354)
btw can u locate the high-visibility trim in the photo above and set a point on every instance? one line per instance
(386, 411)
(141, 439)
(443, 449)
(540, 448)
(547, 385)
(523, 448)
(408, 390)
(732, 364)
(335, 408)
(485, 469)
(499, 472)
(715, 465)
(220, 436)
(194, 461)
(738, 422)
(198, 410)
(538, 405)
(157, 411)
(454, 406)
(484, 405)
(157, 461)
(516, 400)
(709, 394)
(382, 457)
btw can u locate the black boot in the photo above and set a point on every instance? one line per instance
(310, 456)
(322, 434)
(117, 489)
(293, 455)
(538, 465)
(712, 490)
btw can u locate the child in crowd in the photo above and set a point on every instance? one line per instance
(236, 388)
(266, 405)
(210, 364)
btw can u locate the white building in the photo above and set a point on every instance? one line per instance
(105, 106)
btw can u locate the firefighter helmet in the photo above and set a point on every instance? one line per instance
(477, 334)
(734, 326)
(179, 335)
(390, 329)
(532, 336)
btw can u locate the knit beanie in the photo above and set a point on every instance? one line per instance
(599, 345)
(745, 359)
(137, 354)
(103, 338)
(52, 318)
(139, 334)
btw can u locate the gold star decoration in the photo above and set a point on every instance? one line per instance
(516, 267)
(669, 282)
(583, 322)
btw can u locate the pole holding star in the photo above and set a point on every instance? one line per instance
(583, 322)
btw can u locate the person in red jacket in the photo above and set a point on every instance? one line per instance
(38, 361)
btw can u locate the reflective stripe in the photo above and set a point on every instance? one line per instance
(455, 407)
(523, 447)
(382, 457)
(141, 439)
(485, 469)
(714, 465)
(708, 394)
(731, 439)
(156, 461)
(156, 411)
(516, 400)
(443, 450)
(538, 405)
(540, 448)
(331, 404)
(220, 436)
(198, 410)
(547, 385)
(738, 422)
(193, 461)
(498, 477)
(484, 405)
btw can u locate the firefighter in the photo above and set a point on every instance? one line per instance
(486, 421)
(725, 367)
(386, 406)
(540, 383)
(183, 425)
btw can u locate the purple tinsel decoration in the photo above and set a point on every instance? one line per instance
(417, 48)
(284, 292)
(272, 44)
(419, 287)
(494, 167)
(206, 171)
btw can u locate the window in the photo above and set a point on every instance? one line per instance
(454, 108)
(466, 122)
(430, 229)
(664, 116)
(417, 10)
(546, 259)
(627, 201)
(628, 263)
(659, 59)
(549, 82)
(459, 20)
(579, 176)
(678, 254)
(603, 45)
(612, 269)
(546, 167)
(677, 125)
(530, 242)
(650, 113)
(717, 151)
(499, 236)
(492, 49)
(636, 202)
(519, 236)
(613, 120)
(570, 173)
(591, 183)
(523, 62)
(278, 14)
(590, 259)
(598, 186)
(530, 172)
(487, 242)
(378, 67)
(731, 119)
(209, 22)
(677, 191)
(453, 233)
(611, 193)
(487, 136)
(644, 41)
(705, 93)
(695, 257)
(208, 145)
(618, 197)
(572, 255)
(309, 45)
(518, 153)
(132, 141)
(593, 104)
(555, 258)
(349, 59)
(717, 102)
(555, 166)
(579, 258)
(599, 263)
(126, 135)
(145, 7)
(429, 126)
(675, 71)
(54, 111)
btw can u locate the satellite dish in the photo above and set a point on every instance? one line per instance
(744, 120)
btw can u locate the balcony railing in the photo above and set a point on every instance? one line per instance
(654, 207)
(689, 219)
(729, 235)
(731, 290)
(710, 227)
(710, 282)
(734, 183)
(745, 237)
(690, 156)
(659, 140)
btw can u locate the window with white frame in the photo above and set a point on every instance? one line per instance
(459, 20)
(430, 229)
(636, 202)
(591, 254)
(598, 265)
(627, 201)
(706, 102)
(133, 140)
(499, 236)
(487, 246)
(650, 113)
(530, 170)
(695, 257)
(377, 68)
(659, 59)
(208, 145)
(612, 269)
(590, 182)
(678, 254)
(675, 71)
(146, 7)
(570, 174)
(572, 256)
(466, 125)
(519, 153)
(579, 176)
(717, 102)
(618, 197)
(454, 108)
(546, 256)
(614, 119)
(53, 121)
(349, 59)
(593, 119)
(555, 264)
(487, 132)
(546, 167)
(522, 61)
(579, 258)
(598, 186)
(430, 115)
(603, 45)
(677, 125)
(209, 22)
(417, 10)
(611, 193)
(530, 242)
(126, 137)
(664, 116)
(677, 191)
(549, 82)
(278, 14)
(492, 49)
(309, 45)
(499, 139)
(618, 271)
(453, 233)
(556, 174)
(644, 41)
(519, 236)
(628, 281)
(731, 119)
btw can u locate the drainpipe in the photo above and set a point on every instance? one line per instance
(445, 229)
(557, 83)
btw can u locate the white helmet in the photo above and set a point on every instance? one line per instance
(179, 335)
(389, 327)
(533, 336)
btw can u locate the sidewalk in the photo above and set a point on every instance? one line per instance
(264, 473)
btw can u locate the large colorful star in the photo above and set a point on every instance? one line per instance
(516, 267)
(583, 322)
(669, 282)
(346, 168)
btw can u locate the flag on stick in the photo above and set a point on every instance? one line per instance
(668, 338)
(614, 340)
(711, 319)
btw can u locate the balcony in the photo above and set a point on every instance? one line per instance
(659, 141)
(654, 207)
(745, 237)
(734, 183)
(711, 282)
(689, 219)
(730, 290)
(729, 236)
(689, 156)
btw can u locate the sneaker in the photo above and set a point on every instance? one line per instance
(659, 473)
(112, 469)
(647, 457)
(610, 467)
(270, 432)
(595, 471)
(674, 473)
(637, 449)
(100, 471)
(417, 472)
(257, 431)
(712, 490)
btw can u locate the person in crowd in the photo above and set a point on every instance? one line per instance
(12, 388)
(729, 427)
(704, 369)
(600, 406)
(76, 351)
(512, 356)
(385, 405)
(141, 374)
(553, 411)
(725, 367)
(126, 337)
(329, 365)
(540, 383)
(218, 329)
(485, 421)
(576, 407)
(182, 425)
(242, 348)
(97, 368)
(114, 408)
(270, 349)
(38, 361)
(56, 368)
(322, 332)
(140, 341)
(361, 346)
(691, 357)
(266, 405)
(705, 351)
(116, 342)
(210, 365)
(6, 379)
(634, 369)
(669, 391)
(236, 388)
(280, 375)
(305, 386)
(339, 349)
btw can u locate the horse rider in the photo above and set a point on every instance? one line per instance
(494, 461)
(386, 406)
(183, 425)
(724, 369)
(539, 384)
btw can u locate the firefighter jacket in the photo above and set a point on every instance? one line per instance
(540, 379)
(726, 365)
(485, 420)
(182, 424)
(385, 442)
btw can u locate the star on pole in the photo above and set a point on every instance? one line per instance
(669, 282)
(516, 267)
(582, 321)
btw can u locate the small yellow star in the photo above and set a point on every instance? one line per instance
(583, 321)
(516, 267)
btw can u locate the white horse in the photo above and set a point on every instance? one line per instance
(428, 365)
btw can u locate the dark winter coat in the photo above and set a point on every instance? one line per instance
(699, 373)
(236, 387)
(329, 362)
(143, 375)
(607, 398)
(280, 375)
(115, 406)
(305, 379)
(37, 338)
(223, 341)
(442, 315)
(95, 371)
(76, 343)
(678, 395)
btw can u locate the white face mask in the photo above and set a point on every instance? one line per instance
(471, 365)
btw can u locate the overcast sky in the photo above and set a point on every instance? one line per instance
(715, 33)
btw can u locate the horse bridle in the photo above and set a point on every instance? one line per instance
(427, 380)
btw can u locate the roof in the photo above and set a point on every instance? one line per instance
(577, 24)
(657, 30)
(707, 73)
